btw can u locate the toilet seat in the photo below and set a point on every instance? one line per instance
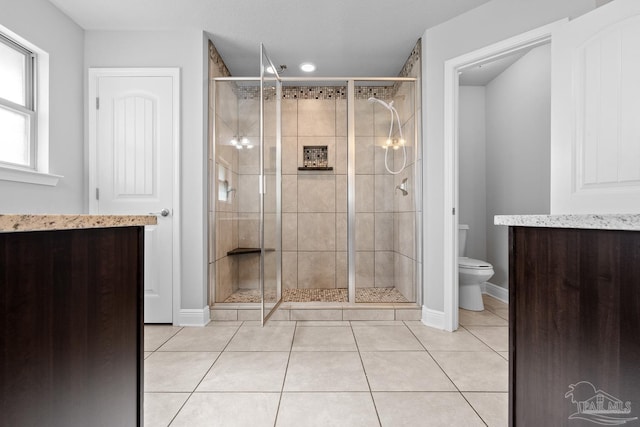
(474, 264)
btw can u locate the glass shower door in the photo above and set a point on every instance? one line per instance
(270, 186)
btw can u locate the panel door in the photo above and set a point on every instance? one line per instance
(595, 136)
(134, 164)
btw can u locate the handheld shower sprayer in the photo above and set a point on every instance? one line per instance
(395, 144)
(381, 102)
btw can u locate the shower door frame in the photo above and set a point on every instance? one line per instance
(266, 312)
(351, 189)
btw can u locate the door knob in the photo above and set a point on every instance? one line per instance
(163, 212)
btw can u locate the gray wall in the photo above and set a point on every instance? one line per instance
(472, 187)
(187, 50)
(62, 39)
(504, 158)
(482, 26)
(518, 111)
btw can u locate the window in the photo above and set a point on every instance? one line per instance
(17, 105)
(224, 182)
(24, 111)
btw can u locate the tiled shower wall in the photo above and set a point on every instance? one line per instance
(314, 203)
(222, 164)
(385, 219)
(407, 214)
(405, 226)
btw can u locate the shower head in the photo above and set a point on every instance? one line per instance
(388, 106)
(390, 142)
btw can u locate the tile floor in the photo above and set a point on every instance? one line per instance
(342, 373)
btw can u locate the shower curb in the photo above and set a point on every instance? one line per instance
(319, 312)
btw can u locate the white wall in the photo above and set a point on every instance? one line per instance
(182, 49)
(487, 24)
(42, 24)
(518, 113)
(472, 188)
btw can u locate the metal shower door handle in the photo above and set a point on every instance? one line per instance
(163, 212)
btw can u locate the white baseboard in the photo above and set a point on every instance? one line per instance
(498, 292)
(193, 317)
(433, 318)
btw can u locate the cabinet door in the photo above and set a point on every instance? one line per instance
(574, 327)
(71, 337)
(595, 130)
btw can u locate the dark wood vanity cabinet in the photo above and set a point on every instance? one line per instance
(71, 319)
(574, 327)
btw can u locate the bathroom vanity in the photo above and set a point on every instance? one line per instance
(71, 319)
(574, 319)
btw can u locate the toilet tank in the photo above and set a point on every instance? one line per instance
(463, 229)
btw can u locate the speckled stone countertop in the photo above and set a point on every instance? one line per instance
(629, 222)
(12, 223)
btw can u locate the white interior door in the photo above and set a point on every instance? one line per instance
(595, 110)
(135, 130)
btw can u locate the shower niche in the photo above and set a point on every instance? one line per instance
(315, 157)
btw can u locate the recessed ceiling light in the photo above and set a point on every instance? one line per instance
(307, 67)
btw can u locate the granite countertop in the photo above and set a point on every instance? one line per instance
(11, 223)
(629, 222)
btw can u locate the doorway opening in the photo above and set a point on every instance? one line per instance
(518, 45)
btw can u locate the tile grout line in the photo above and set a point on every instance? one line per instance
(483, 341)
(286, 369)
(203, 377)
(375, 407)
(165, 341)
(446, 374)
(143, 362)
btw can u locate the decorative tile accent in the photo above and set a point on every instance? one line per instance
(314, 92)
(315, 156)
(385, 93)
(414, 58)
(217, 60)
(317, 92)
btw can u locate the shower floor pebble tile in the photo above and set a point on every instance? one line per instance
(296, 373)
(363, 295)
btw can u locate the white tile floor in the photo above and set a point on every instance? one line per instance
(356, 373)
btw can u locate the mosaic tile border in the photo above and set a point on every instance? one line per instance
(214, 55)
(412, 60)
(318, 92)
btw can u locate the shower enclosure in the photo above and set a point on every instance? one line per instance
(314, 190)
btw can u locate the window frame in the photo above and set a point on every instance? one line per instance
(29, 109)
(38, 171)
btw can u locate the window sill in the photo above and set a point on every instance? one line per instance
(28, 176)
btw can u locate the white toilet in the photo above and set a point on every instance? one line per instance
(471, 274)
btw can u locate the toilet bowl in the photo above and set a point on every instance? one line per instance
(471, 274)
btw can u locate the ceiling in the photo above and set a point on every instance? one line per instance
(369, 38)
(482, 74)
